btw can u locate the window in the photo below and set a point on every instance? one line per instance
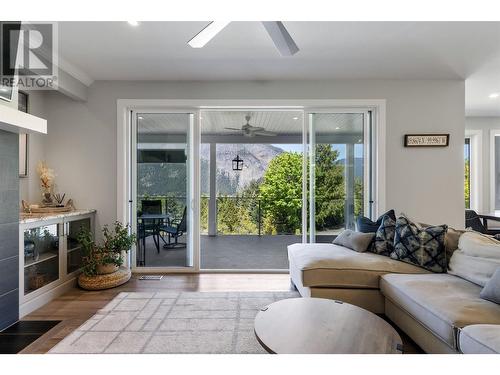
(467, 179)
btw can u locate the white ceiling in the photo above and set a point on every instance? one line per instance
(328, 50)
(279, 122)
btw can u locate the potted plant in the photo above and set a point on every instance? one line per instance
(105, 258)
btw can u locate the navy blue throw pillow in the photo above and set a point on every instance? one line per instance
(366, 225)
(422, 247)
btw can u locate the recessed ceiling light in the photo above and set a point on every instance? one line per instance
(337, 128)
(295, 118)
(133, 23)
(140, 118)
(494, 95)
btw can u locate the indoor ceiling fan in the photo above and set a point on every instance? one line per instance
(276, 30)
(251, 131)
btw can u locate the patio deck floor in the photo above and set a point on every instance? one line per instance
(229, 252)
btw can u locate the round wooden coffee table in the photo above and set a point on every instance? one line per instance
(323, 326)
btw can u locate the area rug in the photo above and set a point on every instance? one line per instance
(173, 322)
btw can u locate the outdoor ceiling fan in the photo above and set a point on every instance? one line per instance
(276, 30)
(251, 131)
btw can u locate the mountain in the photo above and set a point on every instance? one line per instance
(256, 158)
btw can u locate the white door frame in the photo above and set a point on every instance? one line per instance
(476, 168)
(311, 139)
(125, 107)
(192, 189)
(493, 133)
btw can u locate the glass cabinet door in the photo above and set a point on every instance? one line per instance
(41, 257)
(74, 250)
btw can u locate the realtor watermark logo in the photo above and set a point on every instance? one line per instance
(29, 55)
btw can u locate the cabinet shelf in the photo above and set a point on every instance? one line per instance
(60, 256)
(42, 258)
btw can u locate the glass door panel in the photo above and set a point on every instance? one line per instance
(74, 249)
(163, 190)
(41, 257)
(337, 178)
(251, 165)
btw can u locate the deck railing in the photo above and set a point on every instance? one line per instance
(246, 215)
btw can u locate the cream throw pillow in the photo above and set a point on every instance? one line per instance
(479, 245)
(474, 269)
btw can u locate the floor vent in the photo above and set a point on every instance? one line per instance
(151, 277)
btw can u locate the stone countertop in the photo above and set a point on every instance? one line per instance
(26, 218)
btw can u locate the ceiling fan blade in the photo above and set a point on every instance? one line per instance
(206, 35)
(256, 128)
(233, 129)
(264, 133)
(281, 38)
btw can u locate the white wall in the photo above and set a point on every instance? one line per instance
(424, 183)
(29, 187)
(485, 124)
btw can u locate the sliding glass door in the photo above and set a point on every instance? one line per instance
(339, 172)
(251, 191)
(231, 188)
(163, 189)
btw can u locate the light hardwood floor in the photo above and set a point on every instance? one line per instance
(76, 306)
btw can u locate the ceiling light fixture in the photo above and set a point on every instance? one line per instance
(140, 118)
(337, 128)
(206, 35)
(295, 118)
(494, 95)
(280, 36)
(133, 23)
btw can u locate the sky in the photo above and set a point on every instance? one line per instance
(358, 149)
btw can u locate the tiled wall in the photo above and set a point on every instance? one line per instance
(9, 229)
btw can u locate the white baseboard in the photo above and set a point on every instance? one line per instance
(43, 299)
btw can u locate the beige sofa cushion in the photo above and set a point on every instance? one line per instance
(328, 265)
(474, 269)
(480, 339)
(440, 302)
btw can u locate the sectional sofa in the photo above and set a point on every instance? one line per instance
(442, 313)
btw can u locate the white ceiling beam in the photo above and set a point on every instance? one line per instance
(281, 38)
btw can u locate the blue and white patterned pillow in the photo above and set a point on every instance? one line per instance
(422, 247)
(384, 237)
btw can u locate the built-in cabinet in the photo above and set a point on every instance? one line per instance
(50, 257)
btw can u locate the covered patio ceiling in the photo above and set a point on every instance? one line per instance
(282, 123)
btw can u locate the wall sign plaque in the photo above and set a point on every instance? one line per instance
(427, 140)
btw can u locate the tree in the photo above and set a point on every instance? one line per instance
(281, 193)
(233, 216)
(329, 188)
(358, 197)
(467, 184)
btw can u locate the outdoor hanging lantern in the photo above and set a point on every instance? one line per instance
(237, 163)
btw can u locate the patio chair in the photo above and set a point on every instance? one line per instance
(141, 244)
(175, 230)
(479, 223)
(151, 226)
